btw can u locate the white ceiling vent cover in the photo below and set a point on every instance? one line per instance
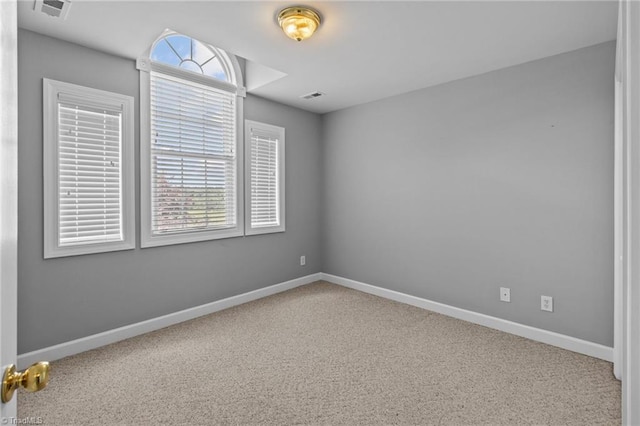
(54, 8)
(312, 95)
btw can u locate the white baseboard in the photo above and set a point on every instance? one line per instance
(549, 337)
(73, 347)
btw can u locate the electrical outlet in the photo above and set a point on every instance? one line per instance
(505, 294)
(303, 260)
(546, 303)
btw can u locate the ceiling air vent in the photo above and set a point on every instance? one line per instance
(54, 8)
(312, 95)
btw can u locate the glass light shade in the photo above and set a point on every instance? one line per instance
(298, 22)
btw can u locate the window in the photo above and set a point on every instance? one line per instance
(191, 160)
(88, 170)
(189, 54)
(264, 147)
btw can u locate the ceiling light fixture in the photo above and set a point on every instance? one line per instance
(299, 22)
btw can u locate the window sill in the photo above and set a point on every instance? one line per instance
(189, 237)
(264, 230)
(79, 250)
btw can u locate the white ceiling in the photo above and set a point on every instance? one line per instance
(363, 51)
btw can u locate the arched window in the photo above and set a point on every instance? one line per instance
(191, 150)
(189, 54)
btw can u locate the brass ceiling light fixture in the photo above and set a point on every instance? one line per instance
(299, 22)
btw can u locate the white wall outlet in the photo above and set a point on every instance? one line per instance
(303, 260)
(546, 303)
(505, 294)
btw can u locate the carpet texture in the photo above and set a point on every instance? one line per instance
(324, 354)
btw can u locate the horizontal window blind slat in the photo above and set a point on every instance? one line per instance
(192, 121)
(66, 114)
(78, 133)
(89, 174)
(95, 236)
(222, 139)
(188, 159)
(172, 108)
(86, 139)
(190, 104)
(266, 175)
(182, 224)
(69, 198)
(195, 150)
(75, 128)
(114, 220)
(69, 224)
(78, 130)
(174, 176)
(79, 227)
(74, 228)
(77, 204)
(91, 211)
(97, 163)
(186, 136)
(87, 228)
(98, 113)
(158, 81)
(67, 120)
(69, 166)
(194, 175)
(73, 185)
(68, 102)
(192, 169)
(96, 212)
(89, 233)
(176, 157)
(211, 134)
(263, 159)
(70, 150)
(164, 85)
(72, 120)
(211, 213)
(97, 145)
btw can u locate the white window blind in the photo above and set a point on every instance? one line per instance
(264, 179)
(265, 174)
(193, 156)
(88, 170)
(89, 174)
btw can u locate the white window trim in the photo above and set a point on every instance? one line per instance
(147, 238)
(51, 90)
(280, 132)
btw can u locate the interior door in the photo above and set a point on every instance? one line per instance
(8, 192)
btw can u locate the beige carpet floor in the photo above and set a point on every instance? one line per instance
(323, 354)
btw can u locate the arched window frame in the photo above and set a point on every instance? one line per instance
(219, 55)
(231, 66)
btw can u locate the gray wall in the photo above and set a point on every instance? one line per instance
(68, 298)
(503, 179)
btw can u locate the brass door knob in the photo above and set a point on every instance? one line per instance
(32, 379)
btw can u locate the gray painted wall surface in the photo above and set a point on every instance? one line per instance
(503, 179)
(68, 298)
